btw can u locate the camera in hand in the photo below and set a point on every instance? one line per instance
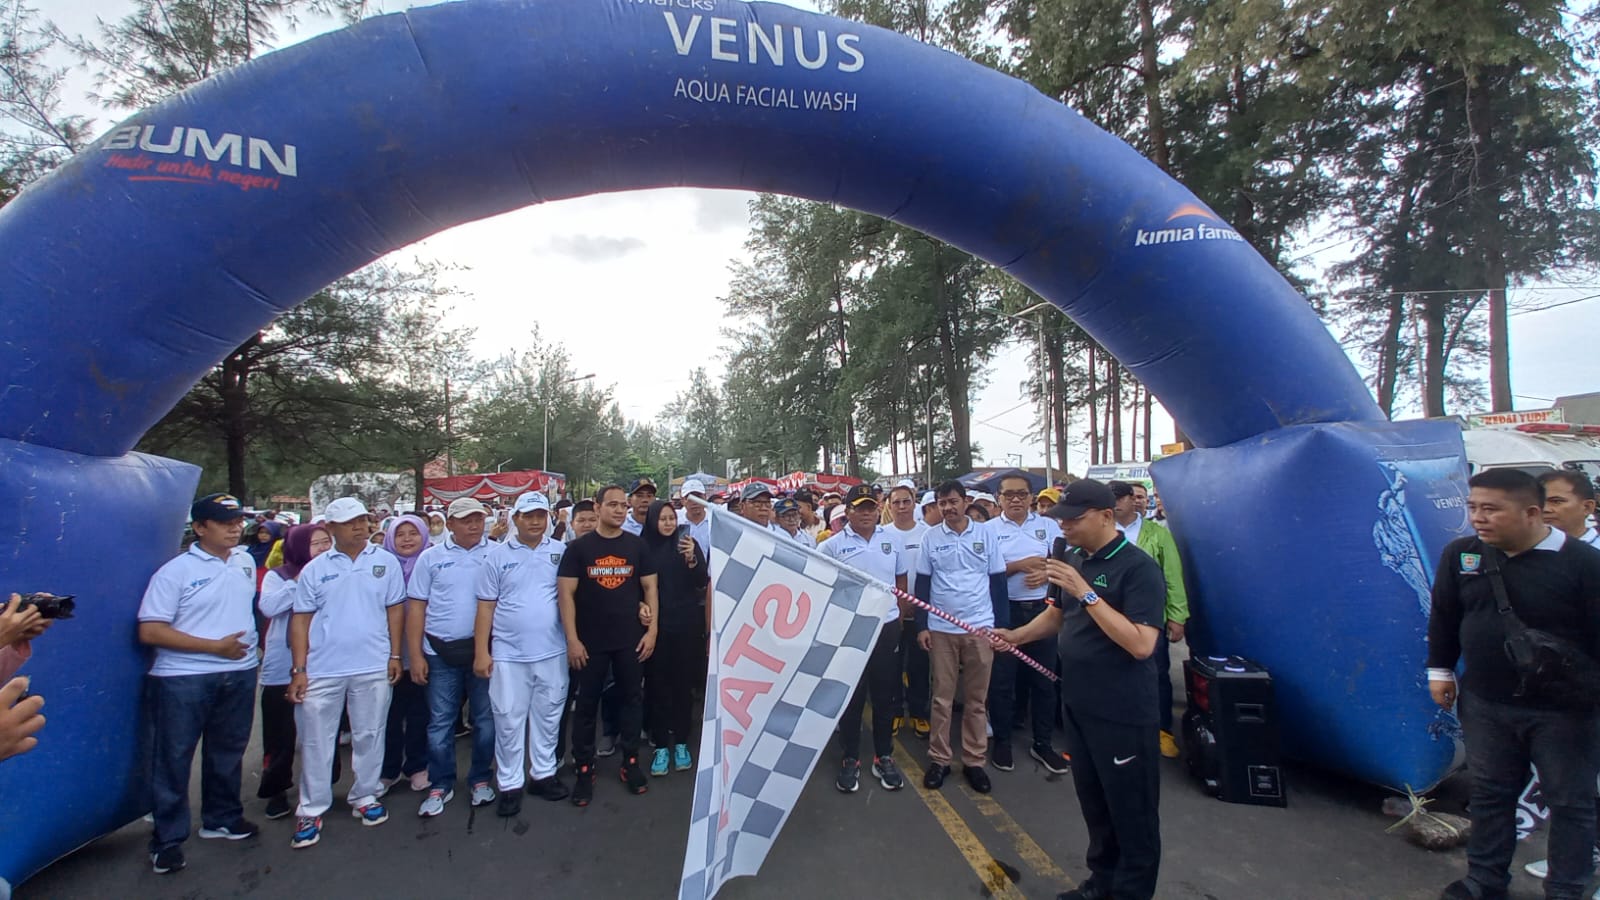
(49, 606)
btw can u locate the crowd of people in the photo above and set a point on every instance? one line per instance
(584, 625)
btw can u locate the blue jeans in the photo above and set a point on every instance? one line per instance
(1501, 741)
(184, 710)
(446, 685)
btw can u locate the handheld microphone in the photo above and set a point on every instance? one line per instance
(1054, 593)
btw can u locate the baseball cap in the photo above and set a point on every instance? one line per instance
(1051, 494)
(1120, 489)
(216, 508)
(908, 484)
(975, 496)
(786, 505)
(1080, 497)
(928, 499)
(640, 484)
(859, 494)
(466, 506)
(344, 509)
(754, 490)
(834, 515)
(532, 500)
(804, 495)
(693, 486)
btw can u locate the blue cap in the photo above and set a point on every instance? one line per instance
(786, 505)
(639, 484)
(755, 489)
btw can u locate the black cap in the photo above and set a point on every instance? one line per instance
(859, 494)
(805, 496)
(1120, 489)
(216, 508)
(640, 484)
(1081, 496)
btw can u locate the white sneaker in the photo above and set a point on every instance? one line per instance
(1539, 868)
(435, 802)
(419, 781)
(482, 794)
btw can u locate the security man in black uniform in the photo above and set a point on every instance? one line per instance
(1109, 611)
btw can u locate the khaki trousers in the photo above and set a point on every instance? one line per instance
(963, 659)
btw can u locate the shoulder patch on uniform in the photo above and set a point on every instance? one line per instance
(1470, 562)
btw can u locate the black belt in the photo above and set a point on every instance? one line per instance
(1031, 604)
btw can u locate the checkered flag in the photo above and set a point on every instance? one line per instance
(792, 634)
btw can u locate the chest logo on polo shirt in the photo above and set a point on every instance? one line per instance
(1100, 581)
(1470, 563)
(555, 559)
(1038, 533)
(887, 548)
(977, 546)
(611, 572)
(377, 571)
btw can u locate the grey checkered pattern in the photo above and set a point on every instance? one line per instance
(778, 752)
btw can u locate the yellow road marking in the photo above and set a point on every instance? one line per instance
(988, 871)
(1026, 847)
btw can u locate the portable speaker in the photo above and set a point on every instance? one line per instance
(1230, 730)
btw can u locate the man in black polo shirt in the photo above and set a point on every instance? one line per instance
(1552, 583)
(1109, 611)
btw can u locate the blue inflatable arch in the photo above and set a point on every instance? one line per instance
(1308, 529)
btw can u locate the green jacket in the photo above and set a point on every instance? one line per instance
(1156, 540)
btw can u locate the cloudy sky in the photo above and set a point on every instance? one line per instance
(660, 260)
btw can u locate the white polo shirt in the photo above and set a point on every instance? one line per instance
(203, 596)
(445, 578)
(878, 556)
(521, 583)
(799, 537)
(1591, 537)
(910, 542)
(632, 525)
(277, 604)
(351, 600)
(960, 566)
(1132, 529)
(1033, 536)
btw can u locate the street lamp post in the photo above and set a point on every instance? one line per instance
(544, 462)
(1044, 384)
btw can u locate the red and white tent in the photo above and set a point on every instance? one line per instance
(794, 481)
(502, 486)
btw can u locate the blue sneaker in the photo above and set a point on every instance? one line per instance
(680, 758)
(658, 763)
(371, 814)
(307, 831)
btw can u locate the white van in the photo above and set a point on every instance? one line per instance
(1535, 448)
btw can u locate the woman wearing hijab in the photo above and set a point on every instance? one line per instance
(671, 672)
(261, 541)
(302, 544)
(405, 751)
(435, 524)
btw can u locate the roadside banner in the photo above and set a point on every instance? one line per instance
(791, 634)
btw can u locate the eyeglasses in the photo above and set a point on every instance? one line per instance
(1016, 495)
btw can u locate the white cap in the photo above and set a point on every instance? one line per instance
(532, 500)
(908, 484)
(344, 509)
(465, 506)
(982, 495)
(837, 514)
(928, 499)
(692, 486)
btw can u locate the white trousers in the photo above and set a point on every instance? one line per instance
(527, 699)
(316, 722)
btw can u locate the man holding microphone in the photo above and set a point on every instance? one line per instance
(1109, 610)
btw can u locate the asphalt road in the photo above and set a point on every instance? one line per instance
(1026, 840)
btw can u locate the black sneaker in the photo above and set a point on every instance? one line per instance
(278, 807)
(978, 778)
(934, 779)
(633, 776)
(238, 831)
(168, 860)
(1467, 889)
(849, 778)
(1053, 762)
(548, 788)
(508, 804)
(888, 773)
(583, 788)
(1089, 890)
(1001, 757)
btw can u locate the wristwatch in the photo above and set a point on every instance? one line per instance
(297, 670)
(1089, 599)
